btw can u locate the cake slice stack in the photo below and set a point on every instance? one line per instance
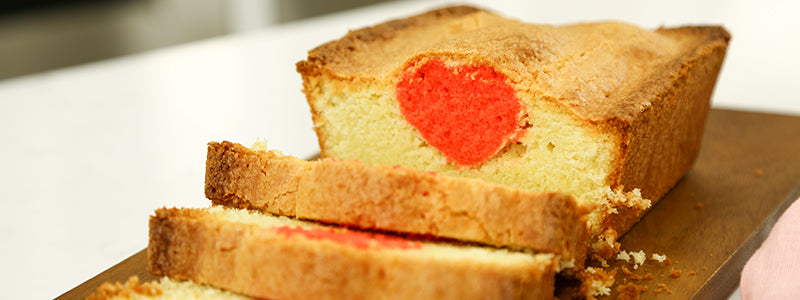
(375, 232)
(396, 199)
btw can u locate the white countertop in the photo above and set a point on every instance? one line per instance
(90, 151)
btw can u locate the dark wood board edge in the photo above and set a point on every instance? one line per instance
(131, 266)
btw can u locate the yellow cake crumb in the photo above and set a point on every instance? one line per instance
(675, 273)
(638, 258)
(623, 255)
(659, 257)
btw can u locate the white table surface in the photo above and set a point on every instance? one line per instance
(90, 151)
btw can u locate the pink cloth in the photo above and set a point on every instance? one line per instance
(774, 270)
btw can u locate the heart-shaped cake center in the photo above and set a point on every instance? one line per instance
(467, 112)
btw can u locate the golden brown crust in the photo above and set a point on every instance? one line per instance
(253, 259)
(595, 70)
(399, 199)
(336, 57)
(662, 141)
(229, 179)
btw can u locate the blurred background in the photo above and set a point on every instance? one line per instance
(41, 35)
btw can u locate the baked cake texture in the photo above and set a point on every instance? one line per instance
(164, 289)
(607, 112)
(270, 257)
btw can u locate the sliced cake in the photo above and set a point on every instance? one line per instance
(270, 257)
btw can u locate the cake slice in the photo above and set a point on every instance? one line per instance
(397, 199)
(607, 112)
(163, 289)
(270, 257)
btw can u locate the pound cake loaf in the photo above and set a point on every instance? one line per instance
(270, 257)
(397, 199)
(164, 289)
(607, 112)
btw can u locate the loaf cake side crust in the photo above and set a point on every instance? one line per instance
(662, 142)
(261, 256)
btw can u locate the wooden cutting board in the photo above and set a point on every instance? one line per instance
(747, 174)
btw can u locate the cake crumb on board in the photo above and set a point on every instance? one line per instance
(662, 288)
(659, 257)
(598, 282)
(635, 273)
(630, 291)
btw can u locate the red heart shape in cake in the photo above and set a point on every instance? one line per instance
(467, 112)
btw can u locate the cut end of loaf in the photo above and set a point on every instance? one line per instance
(365, 124)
